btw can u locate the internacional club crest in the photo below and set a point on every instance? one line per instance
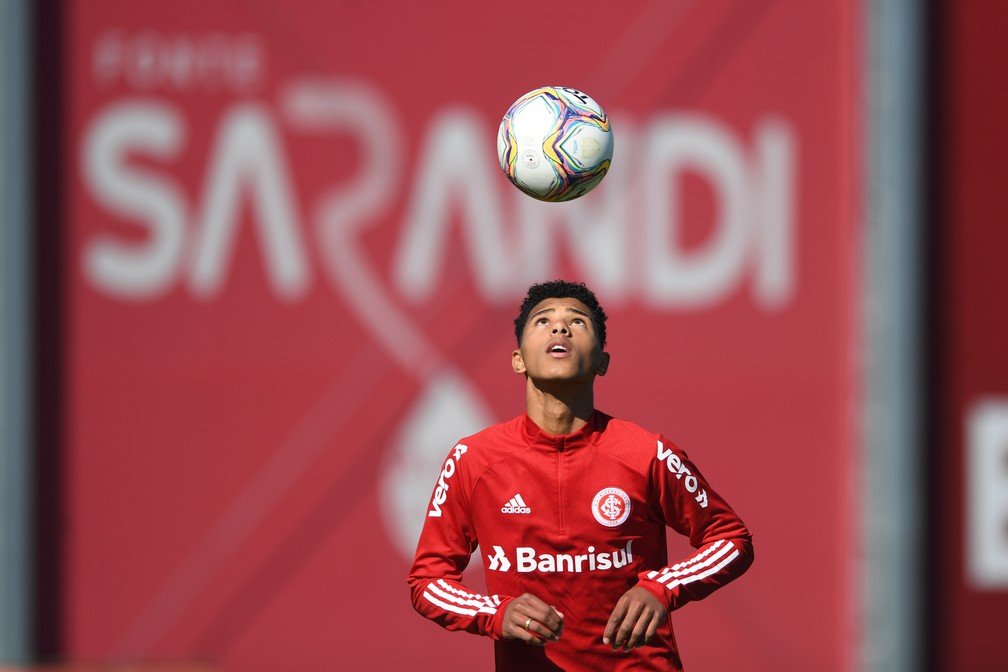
(611, 506)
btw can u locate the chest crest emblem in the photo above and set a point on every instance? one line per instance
(611, 506)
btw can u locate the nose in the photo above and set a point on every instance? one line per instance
(562, 329)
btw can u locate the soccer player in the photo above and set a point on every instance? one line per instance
(569, 507)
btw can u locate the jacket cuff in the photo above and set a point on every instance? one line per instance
(496, 630)
(658, 590)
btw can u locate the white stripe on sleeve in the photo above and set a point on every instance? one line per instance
(712, 570)
(692, 565)
(479, 604)
(474, 596)
(448, 607)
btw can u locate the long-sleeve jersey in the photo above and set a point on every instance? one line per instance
(576, 520)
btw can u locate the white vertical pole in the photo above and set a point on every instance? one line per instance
(893, 466)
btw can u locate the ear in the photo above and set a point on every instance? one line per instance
(517, 363)
(603, 366)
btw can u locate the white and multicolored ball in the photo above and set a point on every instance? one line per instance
(555, 143)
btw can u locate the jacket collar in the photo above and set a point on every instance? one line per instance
(586, 436)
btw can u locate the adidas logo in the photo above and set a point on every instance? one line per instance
(516, 505)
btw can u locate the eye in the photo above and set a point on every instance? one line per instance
(577, 320)
(541, 320)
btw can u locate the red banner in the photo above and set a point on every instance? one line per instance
(968, 600)
(293, 262)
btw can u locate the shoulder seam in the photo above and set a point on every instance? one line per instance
(652, 436)
(487, 468)
(475, 479)
(624, 462)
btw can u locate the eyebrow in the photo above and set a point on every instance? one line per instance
(570, 309)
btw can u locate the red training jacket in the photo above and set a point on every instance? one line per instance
(576, 520)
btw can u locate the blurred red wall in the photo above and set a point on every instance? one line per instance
(968, 601)
(291, 266)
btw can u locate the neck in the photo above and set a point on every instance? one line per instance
(559, 411)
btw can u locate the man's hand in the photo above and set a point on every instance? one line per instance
(635, 619)
(531, 620)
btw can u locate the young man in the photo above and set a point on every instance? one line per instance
(569, 507)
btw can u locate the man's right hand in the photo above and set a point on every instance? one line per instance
(531, 620)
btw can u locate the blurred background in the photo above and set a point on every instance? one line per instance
(260, 266)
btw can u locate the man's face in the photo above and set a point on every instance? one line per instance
(559, 343)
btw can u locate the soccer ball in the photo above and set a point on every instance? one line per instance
(555, 143)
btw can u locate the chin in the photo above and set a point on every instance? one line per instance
(562, 377)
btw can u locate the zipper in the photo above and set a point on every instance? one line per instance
(560, 488)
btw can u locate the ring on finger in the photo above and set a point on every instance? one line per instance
(528, 622)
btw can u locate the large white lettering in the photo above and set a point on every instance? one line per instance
(134, 270)
(987, 495)
(750, 215)
(346, 210)
(626, 237)
(772, 192)
(456, 172)
(598, 232)
(248, 163)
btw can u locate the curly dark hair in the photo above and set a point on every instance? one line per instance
(561, 289)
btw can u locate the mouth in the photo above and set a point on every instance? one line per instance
(557, 349)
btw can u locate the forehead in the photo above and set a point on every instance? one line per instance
(560, 305)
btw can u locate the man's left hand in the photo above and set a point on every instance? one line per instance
(635, 619)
